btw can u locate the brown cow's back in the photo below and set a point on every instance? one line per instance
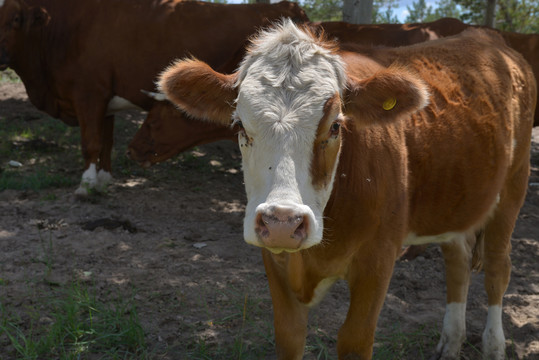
(124, 44)
(82, 61)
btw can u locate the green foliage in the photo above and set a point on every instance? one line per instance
(446, 8)
(512, 15)
(473, 11)
(518, 16)
(323, 10)
(9, 76)
(383, 12)
(419, 12)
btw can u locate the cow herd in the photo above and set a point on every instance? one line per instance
(355, 139)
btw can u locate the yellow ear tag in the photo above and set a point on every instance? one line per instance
(389, 103)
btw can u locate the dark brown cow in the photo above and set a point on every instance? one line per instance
(349, 155)
(82, 60)
(151, 145)
(377, 34)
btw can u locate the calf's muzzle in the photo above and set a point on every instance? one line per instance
(281, 227)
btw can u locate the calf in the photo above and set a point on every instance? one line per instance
(348, 155)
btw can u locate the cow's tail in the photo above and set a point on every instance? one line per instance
(478, 250)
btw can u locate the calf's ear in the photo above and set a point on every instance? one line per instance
(199, 91)
(388, 95)
(39, 16)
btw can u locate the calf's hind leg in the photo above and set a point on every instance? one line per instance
(457, 258)
(497, 261)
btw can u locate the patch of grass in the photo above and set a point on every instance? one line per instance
(320, 345)
(78, 325)
(38, 180)
(49, 197)
(9, 76)
(242, 320)
(402, 344)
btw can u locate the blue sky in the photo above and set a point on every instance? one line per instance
(401, 11)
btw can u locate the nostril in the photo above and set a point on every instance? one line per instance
(302, 228)
(274, 226)
(261, 225)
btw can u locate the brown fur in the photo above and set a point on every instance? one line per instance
(74, 56)
(192, 84)
(326, 146)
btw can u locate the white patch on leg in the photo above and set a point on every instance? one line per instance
(89, 181)
(493, 337)
(103, 179)
(321, 290)
(413, 239)
(1, 3)
(453, 332)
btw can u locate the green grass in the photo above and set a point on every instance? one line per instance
(38, 180)
(400, 343)
(9, 76)
(45, 147)
(77, 324)
(245, 320)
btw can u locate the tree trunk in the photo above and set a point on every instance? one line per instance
(490, 13)
(357, 11)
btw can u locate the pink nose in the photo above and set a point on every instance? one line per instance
(281, 228)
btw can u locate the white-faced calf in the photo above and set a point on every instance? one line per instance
(348, 155)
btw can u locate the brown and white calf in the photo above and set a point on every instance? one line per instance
(348, 155)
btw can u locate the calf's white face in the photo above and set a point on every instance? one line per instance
(286, 97)
(289, 109)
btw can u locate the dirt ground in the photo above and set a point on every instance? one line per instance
(171, 237)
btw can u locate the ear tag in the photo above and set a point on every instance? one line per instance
(389, 103)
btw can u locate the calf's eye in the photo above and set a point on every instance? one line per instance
(335, 128)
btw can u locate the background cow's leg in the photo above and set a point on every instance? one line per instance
(104, 176)
(289, 315)
(497, 261)
(457, 257)
(367, 293)
(91, 122)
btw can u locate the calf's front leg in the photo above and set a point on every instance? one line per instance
(368, 278)
(289, 314)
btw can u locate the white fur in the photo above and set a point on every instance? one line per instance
(103, 179)
(453, 331)
(413, 239)
(154, 95)
(284, 82)
(493, 337)
(321, 290)
(1, 3)
(89, 180)
(118, 103)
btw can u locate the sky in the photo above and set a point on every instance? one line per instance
(401, 11)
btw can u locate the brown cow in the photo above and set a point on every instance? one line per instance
(163, 137)
(82, 60)
(348, 155)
